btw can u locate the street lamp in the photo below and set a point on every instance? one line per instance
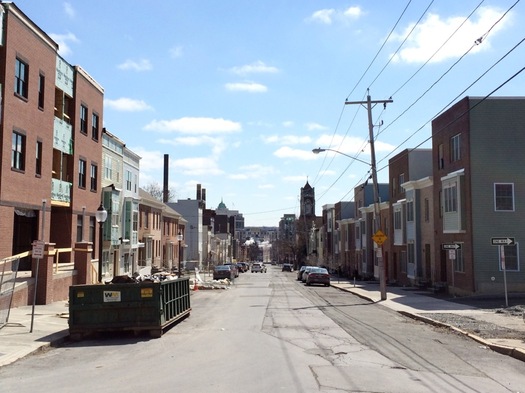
(180, 237)
(100, 215)
(319, 150)
(377, 218)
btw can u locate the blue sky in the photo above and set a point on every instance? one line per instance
(238, 93)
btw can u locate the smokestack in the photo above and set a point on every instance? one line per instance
(199, 193)
(165, 191)
(204, 195)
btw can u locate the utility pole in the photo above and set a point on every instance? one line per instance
(377, 214)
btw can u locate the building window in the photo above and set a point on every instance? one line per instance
(401, 181)
(397, 219)
(92, 226)
(94, 126)
(80, 227)
(504, 197)
(459, 264)
(83, 119)
(82, 173)
(455, 148)
(129, 177)
(41, 90)
(427, 210)
(451, 198)
(441, 157)
(511, 258)
(38, 159)
(21, 78)
(108, 171)
(403, 261)
(93, 177)
(18, 159)
(410, 211)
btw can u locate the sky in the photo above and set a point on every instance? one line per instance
(238, 93)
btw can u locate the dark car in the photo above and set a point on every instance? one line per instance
(287, 267)
(221, 272)
(318, 275)
(242, 266)
(234, 268)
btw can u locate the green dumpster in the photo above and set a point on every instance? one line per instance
(145, 306)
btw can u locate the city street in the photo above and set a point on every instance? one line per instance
(270, 333)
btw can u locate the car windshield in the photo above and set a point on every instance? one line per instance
(222, 267)
(319, 270)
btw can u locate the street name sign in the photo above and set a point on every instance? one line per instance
(502, 241)
(451, 246)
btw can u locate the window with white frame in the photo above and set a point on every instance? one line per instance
(129, 177)
(397, 218)
(450, 192)
(108, 170)
(410, 211)
(504, 197)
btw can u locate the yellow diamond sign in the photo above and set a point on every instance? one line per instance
(379, 237)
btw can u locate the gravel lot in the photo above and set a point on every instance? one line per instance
(482, 328)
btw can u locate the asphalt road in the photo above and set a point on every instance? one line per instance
(269, 333)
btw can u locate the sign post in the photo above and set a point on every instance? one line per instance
(501, 242)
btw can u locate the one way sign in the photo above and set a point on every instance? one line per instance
(451, 246)
(502, 241)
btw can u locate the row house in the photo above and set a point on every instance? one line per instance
(453, 214)
(51, 114)
(120, 197)
(160, 234)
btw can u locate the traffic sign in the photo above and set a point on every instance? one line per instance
(379, 237)
(502, 241)
(451, 246)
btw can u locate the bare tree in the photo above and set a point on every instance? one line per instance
(156, 191)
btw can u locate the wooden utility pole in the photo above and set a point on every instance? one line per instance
(377, 217)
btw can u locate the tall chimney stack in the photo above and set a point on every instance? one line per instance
(165, 191)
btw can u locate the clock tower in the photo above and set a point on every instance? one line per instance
(307, 201)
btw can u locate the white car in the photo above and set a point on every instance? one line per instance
(258, 268)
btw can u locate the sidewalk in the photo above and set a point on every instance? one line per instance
(50, 324)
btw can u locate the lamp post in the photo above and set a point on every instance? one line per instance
(180, 237)
(100, 215)
(377, 218)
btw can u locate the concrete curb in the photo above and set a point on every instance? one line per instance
(516, 353)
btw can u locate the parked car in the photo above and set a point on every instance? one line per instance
(234, 268)
(318, 276)
(258, 267)
(300, 273)
(307, 270)
(242, 266)
(287, 267)
(221, 272)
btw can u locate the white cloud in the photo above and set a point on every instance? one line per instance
(127, 105)
(288, 123)
(151, 161)
(141, 65)
(250, 87)
(69, 10)
(197, 166)
(288, 152)
(257, 67)
(328, 15)
(323, 16)
(297, 178)
(195, 125)
(287, 139)
(176, 52)
(266, 186)
(429, 35)
(315, 127)
(62, 40)
(353, 12)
